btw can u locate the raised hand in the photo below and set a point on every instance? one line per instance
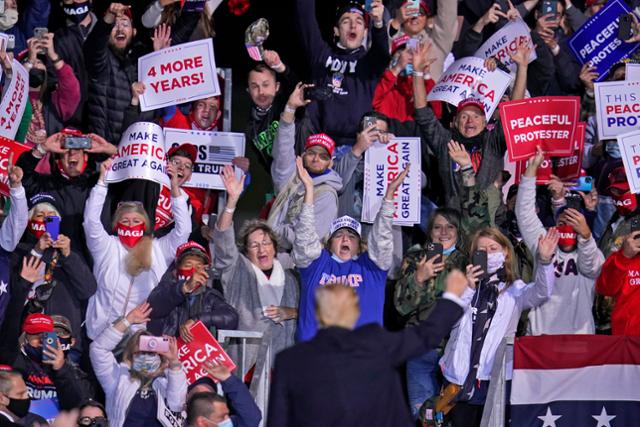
(547, 245)
(31, 269)
(233, 185)
(458, 154)
(427, 269)
(365, 139)
(55, 356)
(15, 173)
(172, 354)
(588, 75)
(493, 15)
(521, 55)
(296, 99)
(395, 184)
(185, 333)
(104, 167)
(590, 199)
(474, 274)
(456, 283)
(161, 37)
(139, 314)
(303, 174)
(490, 64)
(219, 372)
(556, 188)
(63, 244)
(101, 145)
(54, 143)
(579, 223)
(534, 162)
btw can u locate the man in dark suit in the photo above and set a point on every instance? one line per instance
(346, 377)
(14, 397)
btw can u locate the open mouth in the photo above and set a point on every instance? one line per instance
(262, 259)
(180, 175)
(352, 36)
(121, 37)
(73, 163)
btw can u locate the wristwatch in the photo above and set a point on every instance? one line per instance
(123, 320)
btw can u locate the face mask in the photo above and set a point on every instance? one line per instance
(185, 274)
(36, 77)
(76, 12)
(568, 236)
(33, 353)
(19, 407)
(36, 227)
(449, 251)
(613, 150)
(65, 344)
(146, 364)
(226, 423)
(8, 19)
(495, 261)
(626, 203)
(130, 235)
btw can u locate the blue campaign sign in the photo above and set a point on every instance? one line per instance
(597, 40)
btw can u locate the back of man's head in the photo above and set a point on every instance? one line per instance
(202, 405)
(337, 305)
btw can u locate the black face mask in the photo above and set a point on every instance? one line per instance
(36, 77)
(76, 12)
(19, 407)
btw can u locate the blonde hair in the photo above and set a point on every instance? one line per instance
(139, 257)
(497, 236)
(132, 207)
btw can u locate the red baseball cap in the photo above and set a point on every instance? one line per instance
(323, 140)
(37, 323)
(192, 248)
(399, 42)
(189, 149)
(618, 179)
(470, 102)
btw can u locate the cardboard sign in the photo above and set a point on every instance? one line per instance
(568, 168)
(141, 155)
(468, 77)
(14, 101)
(632, 71)
(504, 43)
(382, 163)
(548, 121)
(617, 108)
(629, 144)
(178, 74)
(597, 40)
(215, 149)
(203, 348)
(8, 146)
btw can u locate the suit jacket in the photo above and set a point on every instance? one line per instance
(350, 378)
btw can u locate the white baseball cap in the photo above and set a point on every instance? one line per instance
(345, 222)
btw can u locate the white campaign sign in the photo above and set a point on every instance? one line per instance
(504, 43)
(617, 107)
(382, 163)
(632, 71)
(178, 74)
(14, 101)
(629, 144)
(215, 149)
(141, 155)
(468, 77)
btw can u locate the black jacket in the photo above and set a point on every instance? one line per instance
(75, 284)
(70, 193)
(110, 79)
(350, 378)
(171, 308)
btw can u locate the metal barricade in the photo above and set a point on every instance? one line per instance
(495, 406)
(261, 381)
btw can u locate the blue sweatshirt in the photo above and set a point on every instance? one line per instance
(352, 75)
(361, 273)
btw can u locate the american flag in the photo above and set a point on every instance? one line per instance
(576, 380)
(254, 52)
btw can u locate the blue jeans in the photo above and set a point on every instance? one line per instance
(422, 379)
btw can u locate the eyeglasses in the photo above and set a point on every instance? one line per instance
(93, 422)
(323, 156)
(178, 164)
(265, 244)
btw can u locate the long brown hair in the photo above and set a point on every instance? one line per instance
(497, 236)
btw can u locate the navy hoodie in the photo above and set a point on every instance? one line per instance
(353, 74)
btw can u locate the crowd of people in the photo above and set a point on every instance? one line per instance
(369, 324)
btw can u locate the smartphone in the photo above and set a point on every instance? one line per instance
(574, 201)
(52, 226)
(77, 142)
(368, 121)
(549, 6)
(11, 43)
(49, 340)
(1, 6)
(625, 26)
(40, 32)
(367, 5)
(434, 249)
(413, 8)
(154, 344)
(635, 225)
(480, 258)
(318, 93)
(585, 183)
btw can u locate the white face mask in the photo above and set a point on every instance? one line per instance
(8, 19)
(495, 261)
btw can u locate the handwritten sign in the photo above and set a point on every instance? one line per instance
(178, 74)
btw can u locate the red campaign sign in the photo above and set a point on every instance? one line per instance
(8, 146)
(203, 348)
(548, 121)
(164, 216)
(567, 168)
